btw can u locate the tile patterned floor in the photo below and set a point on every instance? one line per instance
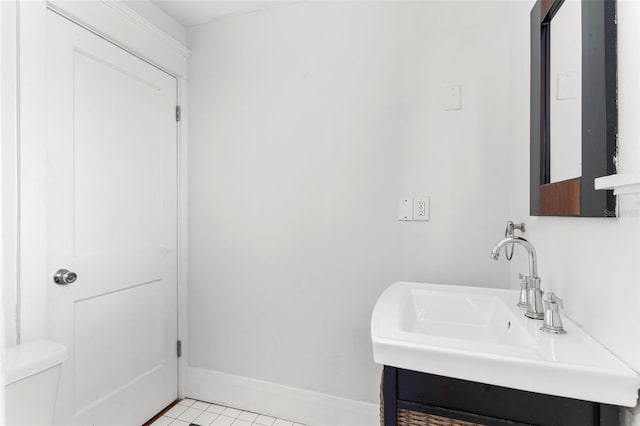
(191, 412)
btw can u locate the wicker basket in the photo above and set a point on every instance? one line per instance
(416, 418)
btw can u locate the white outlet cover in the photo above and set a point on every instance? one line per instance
(405, 209)
(421, 209)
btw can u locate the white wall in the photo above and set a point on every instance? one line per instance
(308, 123)
(593, 264)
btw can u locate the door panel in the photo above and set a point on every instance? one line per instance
(112, 219)
(122, 357)
(115, 211)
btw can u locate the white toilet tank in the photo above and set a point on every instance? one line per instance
(32, 372)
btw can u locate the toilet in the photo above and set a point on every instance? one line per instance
(32, 372)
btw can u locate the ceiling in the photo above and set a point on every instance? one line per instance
(195, 12)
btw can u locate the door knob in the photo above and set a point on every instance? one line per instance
(64, 277)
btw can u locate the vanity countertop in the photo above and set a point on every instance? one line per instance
(479, 334)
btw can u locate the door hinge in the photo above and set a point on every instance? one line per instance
(179, 348)
(178, 112)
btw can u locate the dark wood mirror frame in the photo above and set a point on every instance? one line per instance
(576, 197)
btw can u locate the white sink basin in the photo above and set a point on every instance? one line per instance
(476, 317)
(479, 334)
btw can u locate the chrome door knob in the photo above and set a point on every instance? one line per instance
(64, 277)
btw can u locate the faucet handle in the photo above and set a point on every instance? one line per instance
(552, 319)
(553, 299)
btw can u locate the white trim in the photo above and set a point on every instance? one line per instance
(622, 183)
(9, 168)
(301, 405)
(183, 190)
(32, 181)
(136, 19)
(114, 21)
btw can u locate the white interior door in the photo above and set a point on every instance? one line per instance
(112, 220)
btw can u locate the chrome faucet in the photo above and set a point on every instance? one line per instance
(535, 309)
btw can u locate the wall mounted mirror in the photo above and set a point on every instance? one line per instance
(573, 106)
(565, 83)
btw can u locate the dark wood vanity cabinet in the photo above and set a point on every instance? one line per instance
(482, 404)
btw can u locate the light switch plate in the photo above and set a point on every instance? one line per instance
(405, 208)
(566, 86)
(452, 98)
(421, 209)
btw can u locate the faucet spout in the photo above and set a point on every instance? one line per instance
(533, 261)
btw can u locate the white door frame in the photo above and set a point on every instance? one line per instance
(115, 22)
(8, 166)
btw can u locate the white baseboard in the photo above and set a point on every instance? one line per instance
(309, 407)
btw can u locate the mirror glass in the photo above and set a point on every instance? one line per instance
(565, 90)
